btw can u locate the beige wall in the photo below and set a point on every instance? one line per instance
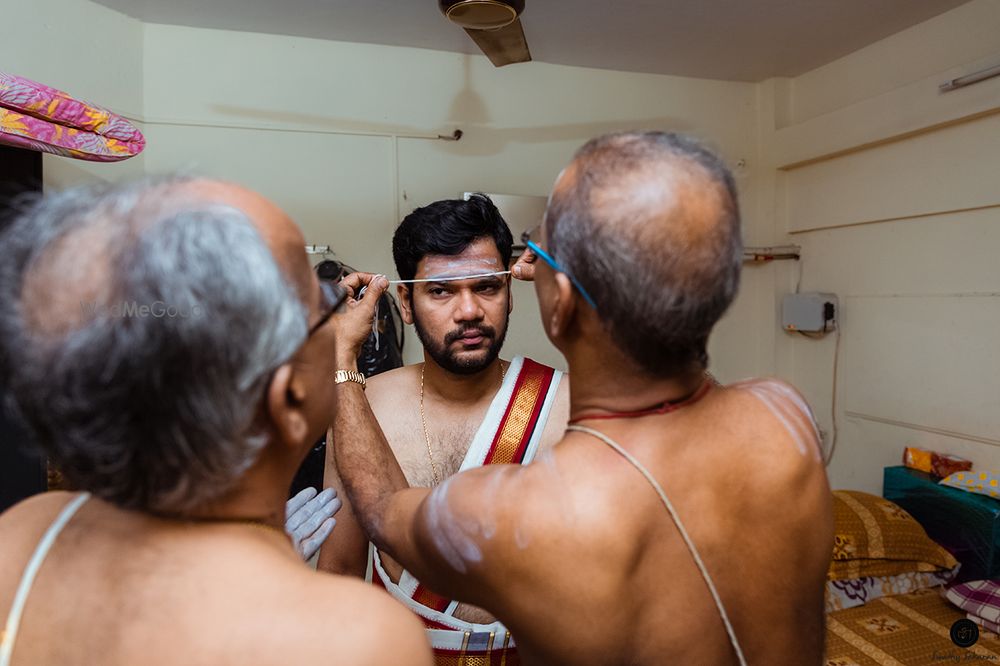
(891, 189)
(319, 127)
(86, 50)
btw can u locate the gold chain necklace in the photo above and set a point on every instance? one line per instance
(423, 420)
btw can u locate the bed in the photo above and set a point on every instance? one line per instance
(903, 630)
(885, 592)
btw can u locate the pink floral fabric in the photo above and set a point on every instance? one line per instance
(37, 117)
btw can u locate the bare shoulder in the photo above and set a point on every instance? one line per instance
(31, 516)
(384, 385)
(295, 615)
(386, 391)
(777, 414)
(42, 503)
(343, 620)
(782, 449)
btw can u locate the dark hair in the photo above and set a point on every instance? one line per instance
(142, 381)
(448, 227)
(661, 278)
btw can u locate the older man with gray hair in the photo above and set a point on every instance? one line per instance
(172, 352)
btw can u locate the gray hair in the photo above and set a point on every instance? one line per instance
(139, 333)
(660, 278)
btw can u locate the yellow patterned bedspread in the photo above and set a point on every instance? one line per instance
(904, 630)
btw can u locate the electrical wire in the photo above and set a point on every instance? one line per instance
(833, 404)
(828, 457)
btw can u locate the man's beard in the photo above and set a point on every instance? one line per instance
(441, 352)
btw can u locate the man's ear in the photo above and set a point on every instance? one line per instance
(403, 294)
(563, 306)
(285, 396)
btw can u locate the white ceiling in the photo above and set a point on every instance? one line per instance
(739, 40)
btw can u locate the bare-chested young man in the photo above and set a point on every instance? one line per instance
(676, 521)
(177, 379)
(464, 406)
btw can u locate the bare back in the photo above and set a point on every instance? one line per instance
(120, 587)
(590, 537)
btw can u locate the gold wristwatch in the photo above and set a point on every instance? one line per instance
(342, 376)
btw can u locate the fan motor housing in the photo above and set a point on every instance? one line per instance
(482, 14)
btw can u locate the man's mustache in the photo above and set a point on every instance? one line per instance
(485, 331)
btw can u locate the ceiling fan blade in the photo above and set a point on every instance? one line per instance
(503, 46)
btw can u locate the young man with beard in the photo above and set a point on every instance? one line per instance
(461, 408)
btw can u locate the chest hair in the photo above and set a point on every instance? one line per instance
(449, 445)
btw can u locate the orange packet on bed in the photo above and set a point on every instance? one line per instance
(919, 459)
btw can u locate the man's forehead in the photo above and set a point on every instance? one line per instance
(481, 256)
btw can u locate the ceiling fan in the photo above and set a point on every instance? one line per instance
(494, 25)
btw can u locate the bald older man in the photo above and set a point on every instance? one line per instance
(677, 521)
(172, 351)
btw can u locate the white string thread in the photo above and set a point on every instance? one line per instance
(30, 571)
(450, 279)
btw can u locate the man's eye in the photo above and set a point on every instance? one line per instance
(437, 291)
(487, 288)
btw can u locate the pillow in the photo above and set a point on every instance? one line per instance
(984, 483)
(841, 594)
(985, 624)
(37, 117)
(978, 597)
(875, 537)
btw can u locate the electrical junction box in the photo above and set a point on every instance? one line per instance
(811, 312)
